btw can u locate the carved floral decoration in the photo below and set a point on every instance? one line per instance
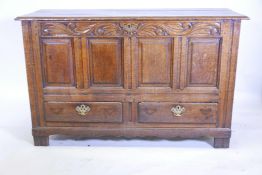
(130, 29)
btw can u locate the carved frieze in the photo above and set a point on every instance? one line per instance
(130, 29)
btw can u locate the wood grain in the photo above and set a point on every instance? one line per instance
(160, 112)
(203, 62)
(99, 112)
(58, 62)
(105, 62)
(134, 14)
(129, 72)
(154, 62)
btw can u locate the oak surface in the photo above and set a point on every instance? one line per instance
(87, 14)
(132, 73)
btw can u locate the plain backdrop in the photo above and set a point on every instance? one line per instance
(67, 156)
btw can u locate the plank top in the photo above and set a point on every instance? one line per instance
(132, 14)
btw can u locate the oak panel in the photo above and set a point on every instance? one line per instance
(203, 62)
(105, 62)
(58, 62)
(155, 62)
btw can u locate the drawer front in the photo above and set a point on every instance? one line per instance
(97, 112)
(168, 112)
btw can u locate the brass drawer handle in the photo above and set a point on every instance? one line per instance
(82, 109)
(178, 110)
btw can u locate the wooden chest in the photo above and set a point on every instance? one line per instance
(131, 73)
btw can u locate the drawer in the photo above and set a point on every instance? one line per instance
(104, 112)
(168, 112)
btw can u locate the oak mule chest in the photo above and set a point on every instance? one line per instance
(161, 73)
